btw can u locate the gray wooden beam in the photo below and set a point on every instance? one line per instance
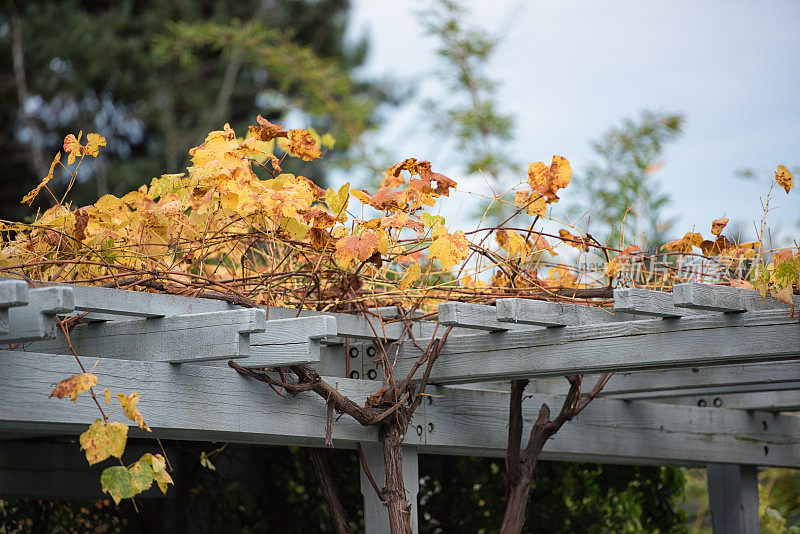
(647, 302)
(174, 339)
(724, 299)
(733, 498)
(13, 293)
(554, 314)
(716, 339)
(177, 401)
(771, 376)
(463, 421)
(105, 303)
(708, 297)
(290, 341)
(216, 404)
(768, 401)
(476, 317)
(37, 319)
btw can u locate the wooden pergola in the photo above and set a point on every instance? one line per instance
(706, 376)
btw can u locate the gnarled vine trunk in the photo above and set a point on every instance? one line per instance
(394, 490)
(521, 464)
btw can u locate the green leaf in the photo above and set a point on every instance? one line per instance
(760, 280)
(786, 273)
(328, 141)
(102, 441)
(432, 221)
(118, 482)
(158, 465)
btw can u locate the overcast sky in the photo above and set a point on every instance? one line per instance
(569, 70)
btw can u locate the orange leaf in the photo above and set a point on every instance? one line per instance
(718, 225)
(784, 178)
(356, 248)
(303, 145)
(269, 131)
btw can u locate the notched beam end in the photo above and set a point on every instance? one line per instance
(13, 293)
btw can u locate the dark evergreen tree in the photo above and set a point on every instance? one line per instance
(155, 77)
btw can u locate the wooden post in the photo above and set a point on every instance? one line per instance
(376, 520)
(733, 498)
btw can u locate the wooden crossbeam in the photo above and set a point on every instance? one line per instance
(201, 402)
(290, 341)
(725, 299)
(174, 339)
(716, 339)
(771, 376)
(215, 403)
(708, 297)
(553, 314)
(141, 304)
(770, 401)
(647, 302)
(13, 293)
(476, 422)
(475, 316)
(37, 319)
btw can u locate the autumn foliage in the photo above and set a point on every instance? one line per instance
(235, 226)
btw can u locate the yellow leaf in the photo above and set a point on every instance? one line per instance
(111, 206)
(548, 180)
(362, 196)
(612, 268)
(131, 411)
(29, 198)
(93, 143)
(102, 441)
(340, 232)
(337, 201)
(108, 395)
(718, 225)
(72, 146)
(513, 242)
(411, 275)
(533, 202)
(685, 243)
(73, 386)
(784, 178)
(448, 249)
